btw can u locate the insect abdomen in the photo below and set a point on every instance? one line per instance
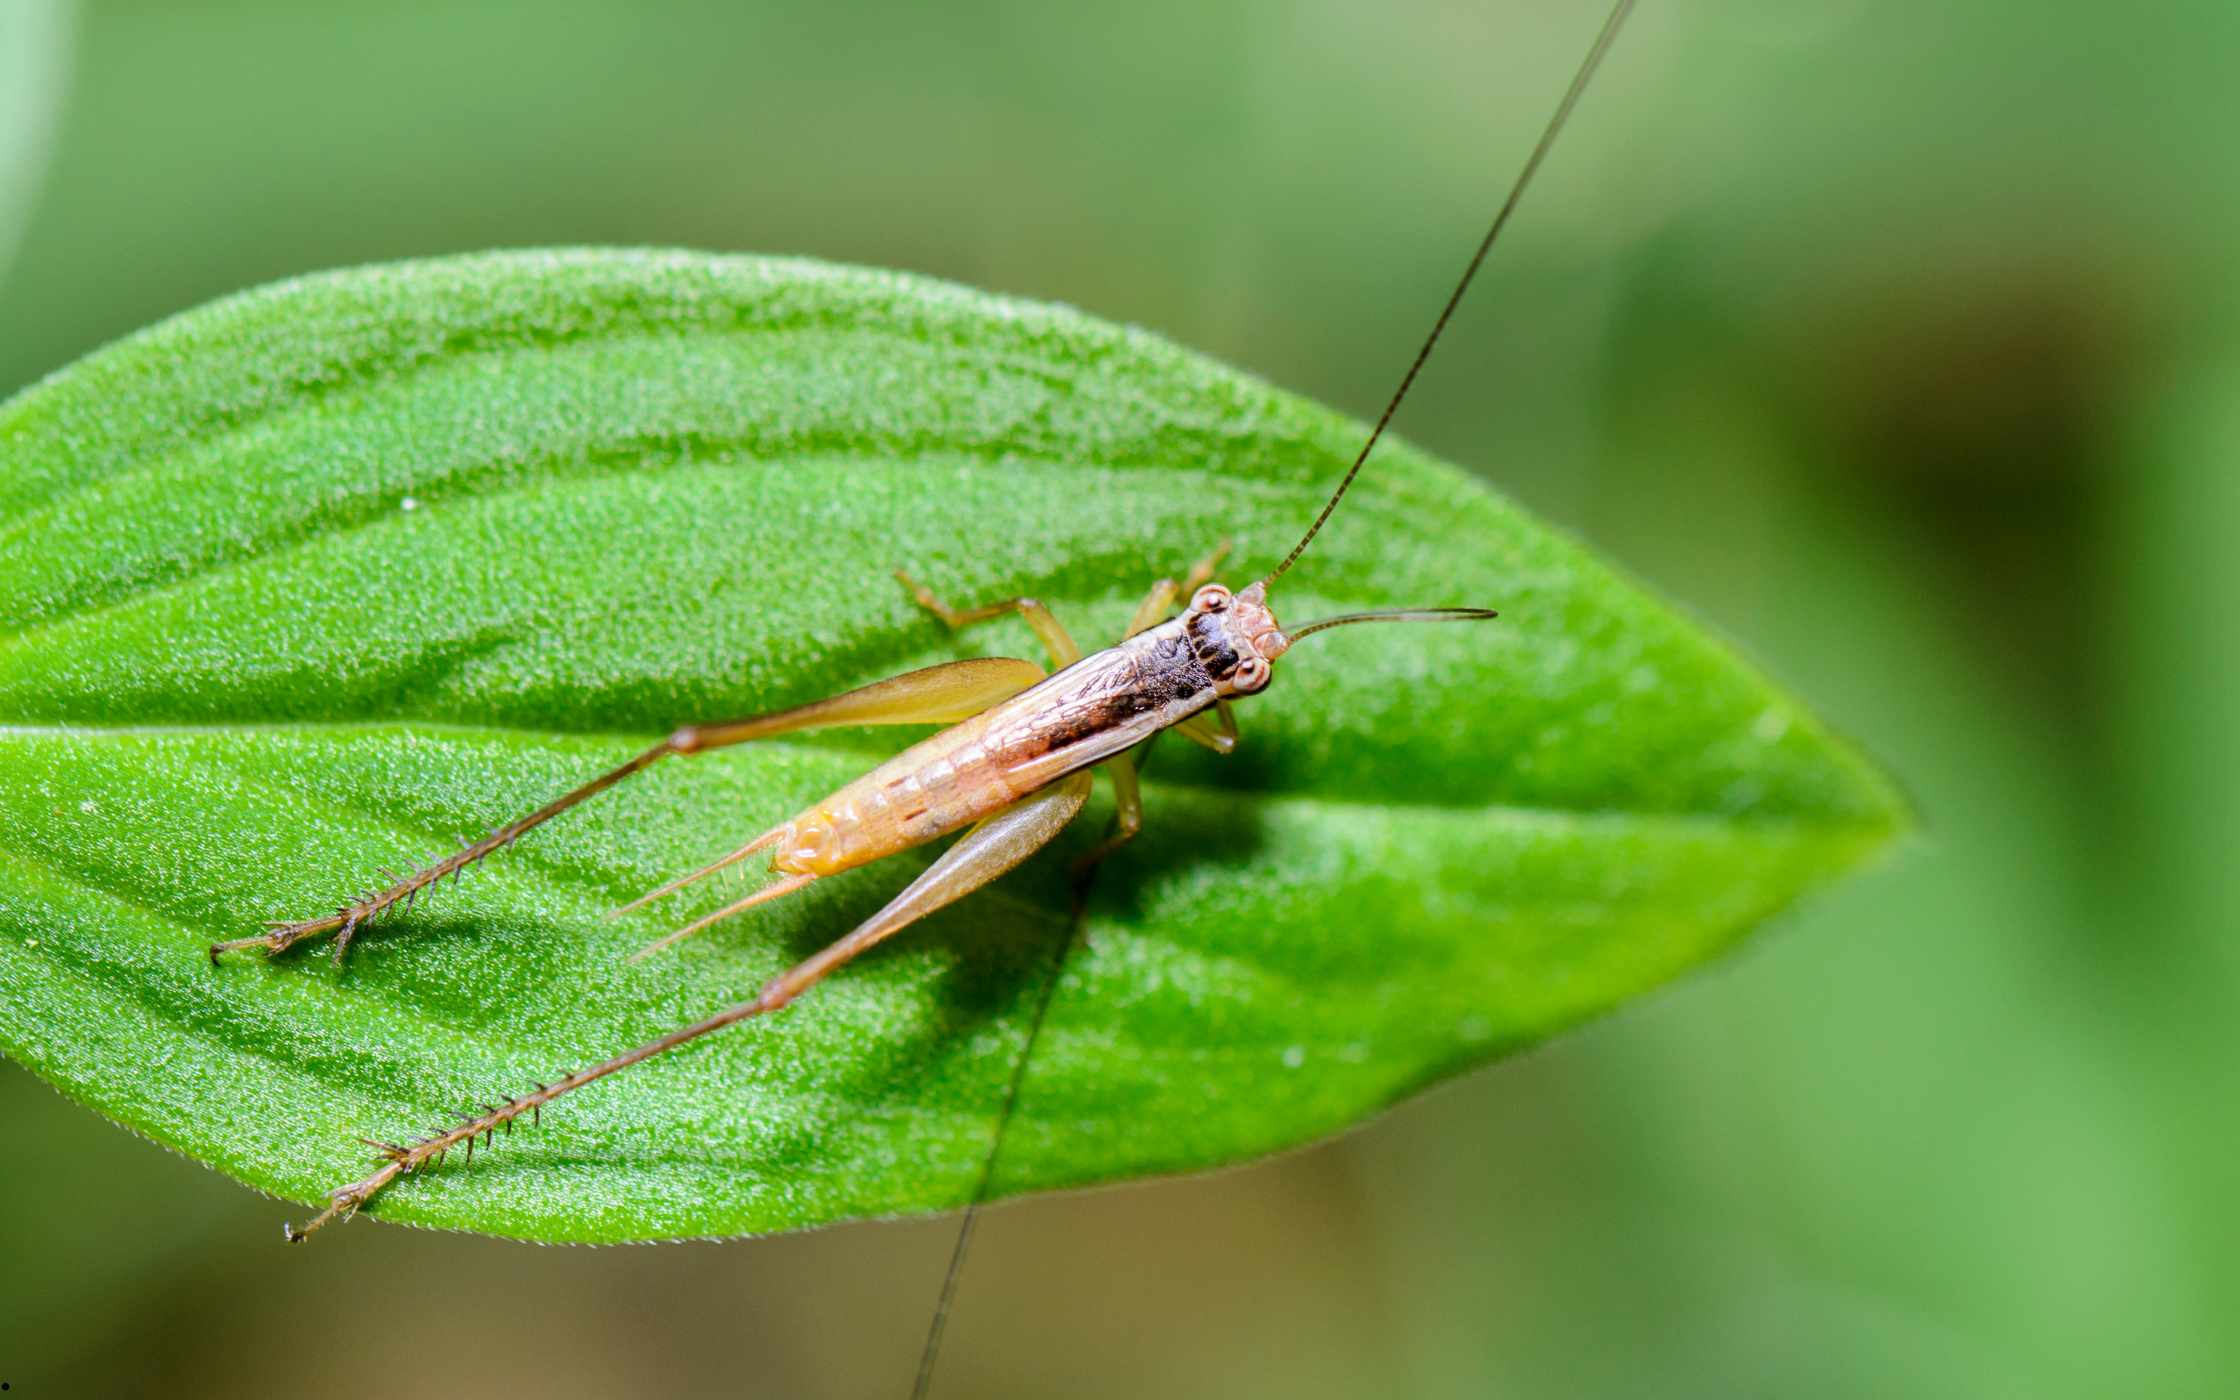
(1105, 703)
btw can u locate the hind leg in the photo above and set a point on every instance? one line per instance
(989, 849)
(935, 695)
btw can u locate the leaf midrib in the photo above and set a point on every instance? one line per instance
(626, 741)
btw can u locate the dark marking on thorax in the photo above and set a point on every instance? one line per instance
(1210, 647)
(1158, 669)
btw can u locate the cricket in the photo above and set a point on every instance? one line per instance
(1011, 769)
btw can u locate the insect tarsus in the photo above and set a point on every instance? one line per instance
(280, 935)
(405, 1158)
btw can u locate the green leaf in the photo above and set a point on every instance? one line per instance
(318, 578)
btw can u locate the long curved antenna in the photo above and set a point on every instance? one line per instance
(930, 1354)
(1394, 615)
(928, 1358)
(1579, 80)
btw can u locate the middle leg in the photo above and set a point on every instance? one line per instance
(1064, 651)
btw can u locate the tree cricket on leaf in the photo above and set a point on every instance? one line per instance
(1011, 769)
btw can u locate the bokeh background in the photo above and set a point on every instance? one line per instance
(1900, 341)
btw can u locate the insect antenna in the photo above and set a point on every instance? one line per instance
(1571, 95)
(1394, 615)
(1608, 34)
(923, 1385)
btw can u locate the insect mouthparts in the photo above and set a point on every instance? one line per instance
(1257, 622)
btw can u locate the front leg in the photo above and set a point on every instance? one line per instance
(1220, 735)
(1166, 592)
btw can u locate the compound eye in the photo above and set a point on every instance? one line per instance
(1211, 598)
(1251, 675)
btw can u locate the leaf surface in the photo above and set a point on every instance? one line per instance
(323, 577)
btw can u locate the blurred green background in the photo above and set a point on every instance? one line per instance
(1899, 341)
